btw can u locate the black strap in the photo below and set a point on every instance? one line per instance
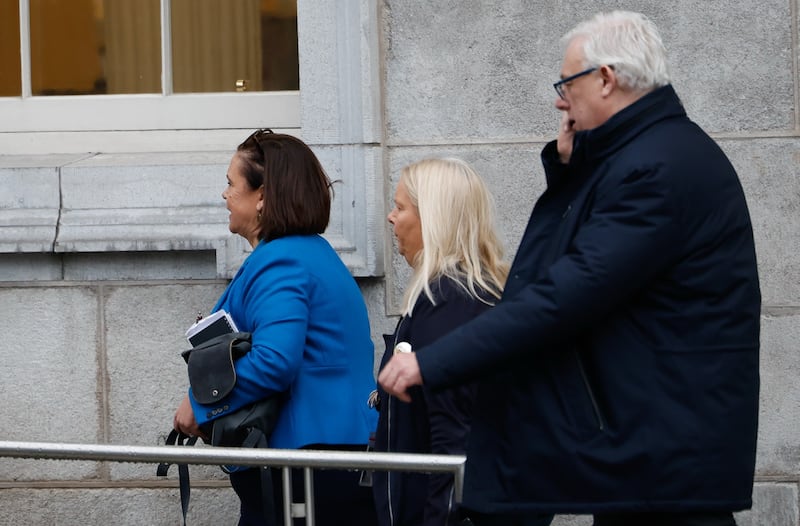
(256, 438)
(176, 438)
(267, 496)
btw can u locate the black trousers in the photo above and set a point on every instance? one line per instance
(610, 519)
(339, 500)
(481, 519)
(665, 519)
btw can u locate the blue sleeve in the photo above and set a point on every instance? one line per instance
(273, 305)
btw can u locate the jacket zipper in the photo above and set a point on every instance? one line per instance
(590, 392)
(389, 430)
(555, 246)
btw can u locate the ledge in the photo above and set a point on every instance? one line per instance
(161, 202)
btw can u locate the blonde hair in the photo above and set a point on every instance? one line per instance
(628, 41)
(456, 214)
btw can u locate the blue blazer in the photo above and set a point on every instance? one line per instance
(311, 341)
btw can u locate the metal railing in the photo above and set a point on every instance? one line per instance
(282, 458)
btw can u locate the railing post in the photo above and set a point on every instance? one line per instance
(308, 483)
(286, 459)
(288, 507)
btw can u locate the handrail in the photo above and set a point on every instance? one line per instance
(322, 459)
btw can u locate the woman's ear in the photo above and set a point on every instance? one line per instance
(260, 203)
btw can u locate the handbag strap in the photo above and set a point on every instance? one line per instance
(176, 438)
(257, 438)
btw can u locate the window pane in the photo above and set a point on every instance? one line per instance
(81, 47)
(132, 45)
(217, 44)
(10, 67)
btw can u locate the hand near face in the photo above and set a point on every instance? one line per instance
(399, 374)
(566, 134)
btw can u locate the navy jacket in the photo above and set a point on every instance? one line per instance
(433, 422)
(620, 370)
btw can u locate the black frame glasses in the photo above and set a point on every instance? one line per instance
(559, 86)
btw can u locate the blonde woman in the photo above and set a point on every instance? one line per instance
(443, 221)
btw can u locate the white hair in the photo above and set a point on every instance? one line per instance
(459, 241)
(629, 43)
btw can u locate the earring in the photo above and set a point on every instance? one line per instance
(258, 216)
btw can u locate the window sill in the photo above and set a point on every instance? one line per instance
(146, 202)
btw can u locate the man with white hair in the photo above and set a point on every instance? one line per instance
(618, 375)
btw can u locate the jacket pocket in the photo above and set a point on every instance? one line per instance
(581, 411)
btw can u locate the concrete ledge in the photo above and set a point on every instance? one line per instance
(149, 202)
(29, 202)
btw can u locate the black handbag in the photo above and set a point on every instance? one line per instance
(212, 376)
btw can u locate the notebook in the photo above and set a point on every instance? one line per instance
(213, 325)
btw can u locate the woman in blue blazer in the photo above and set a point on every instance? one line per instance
(310, 332)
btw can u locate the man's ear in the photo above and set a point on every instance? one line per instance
(609, 77)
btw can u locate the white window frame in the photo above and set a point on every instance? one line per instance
(81, 120)
(52, 202)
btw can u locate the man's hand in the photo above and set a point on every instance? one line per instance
(184, 421)
(566, 134)
(399, 374)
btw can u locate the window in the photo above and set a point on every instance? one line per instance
(89, 67)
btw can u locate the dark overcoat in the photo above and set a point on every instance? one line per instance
(620, 371)
(433, 422)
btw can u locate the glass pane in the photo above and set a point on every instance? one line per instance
(234, 45)
(131, 45)
(10, 67)
(81, 47)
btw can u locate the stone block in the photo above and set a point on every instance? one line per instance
(49, 360)
(29, 204)
(30, 267)
(134, 202)
(374, 292)
(447, 81)
(147, 378)
(778, 451)
(339, 71)
(140, 266)
(774, 504)
(118, 506)
(768, 171)
(357, 201)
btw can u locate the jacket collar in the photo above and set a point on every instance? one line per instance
(592, 146)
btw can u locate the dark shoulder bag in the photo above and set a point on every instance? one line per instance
(212, 377)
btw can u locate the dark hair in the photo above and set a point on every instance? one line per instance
(297, 192)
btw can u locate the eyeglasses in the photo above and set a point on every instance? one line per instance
(559, 86)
